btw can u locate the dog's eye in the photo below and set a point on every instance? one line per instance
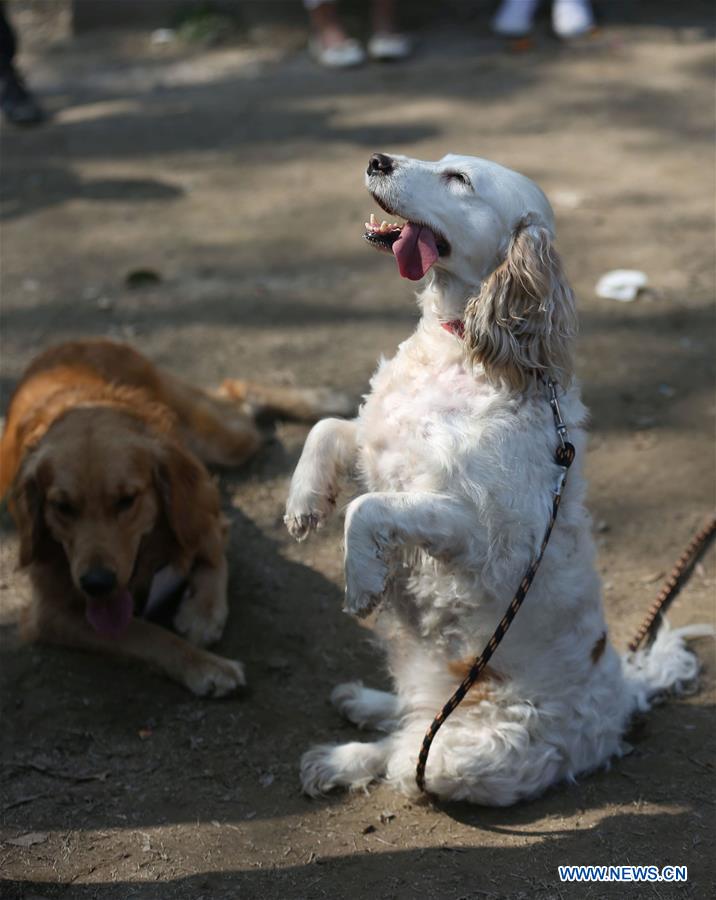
(125, 502)
(64, 508)
(459, 177)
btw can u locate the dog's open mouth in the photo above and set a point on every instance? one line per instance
(415, 246)
(110, 616)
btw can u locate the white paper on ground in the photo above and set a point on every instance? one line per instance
(621, 284)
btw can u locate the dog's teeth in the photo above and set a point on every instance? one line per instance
(383, 227)
(372, 219)
(367, 225)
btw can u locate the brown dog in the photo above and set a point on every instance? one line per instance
(101, 453)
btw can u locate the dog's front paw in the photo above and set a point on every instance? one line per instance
(300, 526)
(366, 584)
(209, 675)
(203, 611)
(307, 513)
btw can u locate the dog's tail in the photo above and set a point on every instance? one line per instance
(263, 401)
(667, 666)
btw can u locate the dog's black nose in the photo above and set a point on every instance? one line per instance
(380, 164)
(98, 582)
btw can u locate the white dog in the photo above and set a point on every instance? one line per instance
(455, 447)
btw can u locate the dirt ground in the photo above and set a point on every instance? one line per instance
(235, 174)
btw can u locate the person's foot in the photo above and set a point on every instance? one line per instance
(514, 18)
(330, 46)
(17, 103)
(340, 55)
(572, 18)
(389, 47)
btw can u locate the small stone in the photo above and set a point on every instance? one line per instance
(29, 839)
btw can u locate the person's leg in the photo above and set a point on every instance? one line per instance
(16, 102)
(384, 17)
(387, 43)
(514, 17)
(331, 45)
(8, 44)
(325, 22)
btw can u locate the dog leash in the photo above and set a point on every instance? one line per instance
(564, 457)
(679, 575)
(677, 579)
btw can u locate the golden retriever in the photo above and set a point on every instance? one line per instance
(102, 456)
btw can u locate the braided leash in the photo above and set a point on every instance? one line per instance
(564, 457)
(673, 584)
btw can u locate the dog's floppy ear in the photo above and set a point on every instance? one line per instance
(190, 498)
(523, 320)
(27, 505)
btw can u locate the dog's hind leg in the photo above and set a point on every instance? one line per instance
(365, 707)
(353, 766)
(217, 430)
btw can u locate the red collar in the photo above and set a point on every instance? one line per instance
(455, 326)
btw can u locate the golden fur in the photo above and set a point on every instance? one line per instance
(524, 318)
(102, 459)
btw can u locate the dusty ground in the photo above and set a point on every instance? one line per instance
(236, 175)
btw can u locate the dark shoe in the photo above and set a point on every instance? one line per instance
(17, 103)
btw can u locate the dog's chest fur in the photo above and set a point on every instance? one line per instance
(425, 413)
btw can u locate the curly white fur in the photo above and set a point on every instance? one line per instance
(455, 447)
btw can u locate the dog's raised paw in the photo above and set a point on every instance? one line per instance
(366, 583)
(300, 526)
(361, 604)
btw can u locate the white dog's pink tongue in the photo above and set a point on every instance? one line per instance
(110, 617)
(415, 251)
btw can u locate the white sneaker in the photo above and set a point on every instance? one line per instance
(389, 47)
(345, 55)
(572, 18)
(514, 17)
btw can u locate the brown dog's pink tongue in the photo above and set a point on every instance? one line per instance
(110, 617)
(415, 251)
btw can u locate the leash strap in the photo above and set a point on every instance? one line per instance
(564, 457)
(673, 584)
